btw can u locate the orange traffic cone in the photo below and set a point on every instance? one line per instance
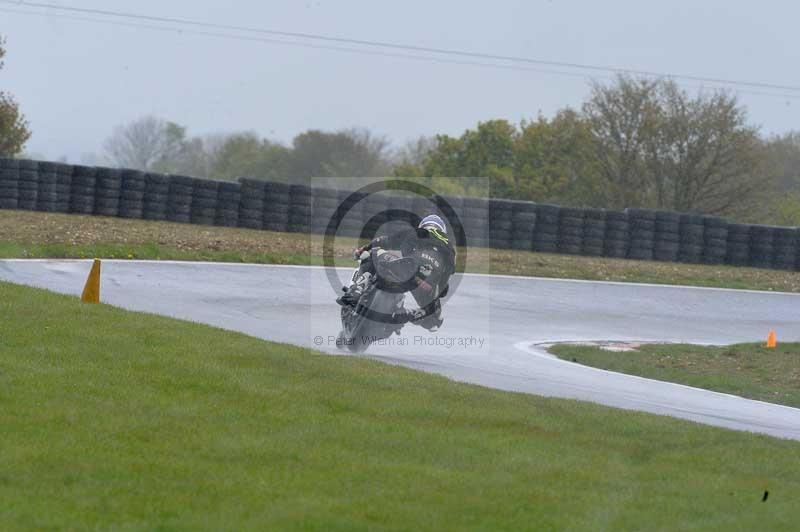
(771, 343)
(91, 292)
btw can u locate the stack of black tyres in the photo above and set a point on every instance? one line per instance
(594, 232)
(375, 215)
(476, 221)
(667, 236)
(28, 184)
(300, 209)
(229, 196)
(46, 195)
(403, 215)
(277, 206)
(251, 206)
(323, 208)
(642, 233)
(691, 238)
(451, 209)
(715, 240)
(9, 178)
(82, 189)
(63, 186)
(179, 199)
(204, 201)
(131, 196)
(738, 248)
(784, 248)
(422, 206)
(761, 245)
(635, 233)
(570, 230)
(545, 235)
(523, 225)
(351, 213)
(500, 223)
(156, 196)
(797, 262)
(107, 192)
(617, 239)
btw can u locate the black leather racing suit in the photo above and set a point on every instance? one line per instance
(436, 258)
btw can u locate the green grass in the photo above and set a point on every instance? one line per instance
(117, 420)
(149, 251)
(26, 234)
(748, 370)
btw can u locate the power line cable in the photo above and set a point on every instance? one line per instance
(174, 29)
(378, 53)
(407, 47)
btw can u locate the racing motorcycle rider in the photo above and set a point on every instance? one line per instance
(430, 245)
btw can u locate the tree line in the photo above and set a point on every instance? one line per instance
(632, 143)
(157, 145)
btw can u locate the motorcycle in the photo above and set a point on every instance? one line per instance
(379, 311)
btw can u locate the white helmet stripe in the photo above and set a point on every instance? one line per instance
(433, 221)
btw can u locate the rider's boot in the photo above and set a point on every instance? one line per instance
(432, 318)
(357, 286)
(403, 315)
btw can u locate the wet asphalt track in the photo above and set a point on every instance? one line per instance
(492, 326)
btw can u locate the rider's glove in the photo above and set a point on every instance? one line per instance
(358, 253)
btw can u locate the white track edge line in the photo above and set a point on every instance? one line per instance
(489, 275)
(528, 347)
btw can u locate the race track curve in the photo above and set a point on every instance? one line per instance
(492, 331)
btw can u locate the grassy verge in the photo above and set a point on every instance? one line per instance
(748, 370)
(118, 420)
(42, 235)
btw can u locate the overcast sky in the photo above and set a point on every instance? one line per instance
(76, 80)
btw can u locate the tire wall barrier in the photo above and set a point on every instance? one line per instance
(179, 199)
(9, 184)
(570, 230)
(108, 189)
(46, 194)
(640, 234)
(617, 235)
(204, 201)
(279, 212)
(131, 197)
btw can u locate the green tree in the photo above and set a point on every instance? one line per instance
(183, 154)
(446, 158)
(785, 210)
(153, 144)
(540, 160)
(409, 161)
(485, 152)
(555, 161)
(703, 155)
(147, 143)
(244, 154)
(14, 132)
(658, 147)
(783, 160)
(622, 118)
(346, 153)
(490, 145)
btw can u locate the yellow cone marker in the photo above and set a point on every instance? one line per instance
(771, 343)
(91, 292)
